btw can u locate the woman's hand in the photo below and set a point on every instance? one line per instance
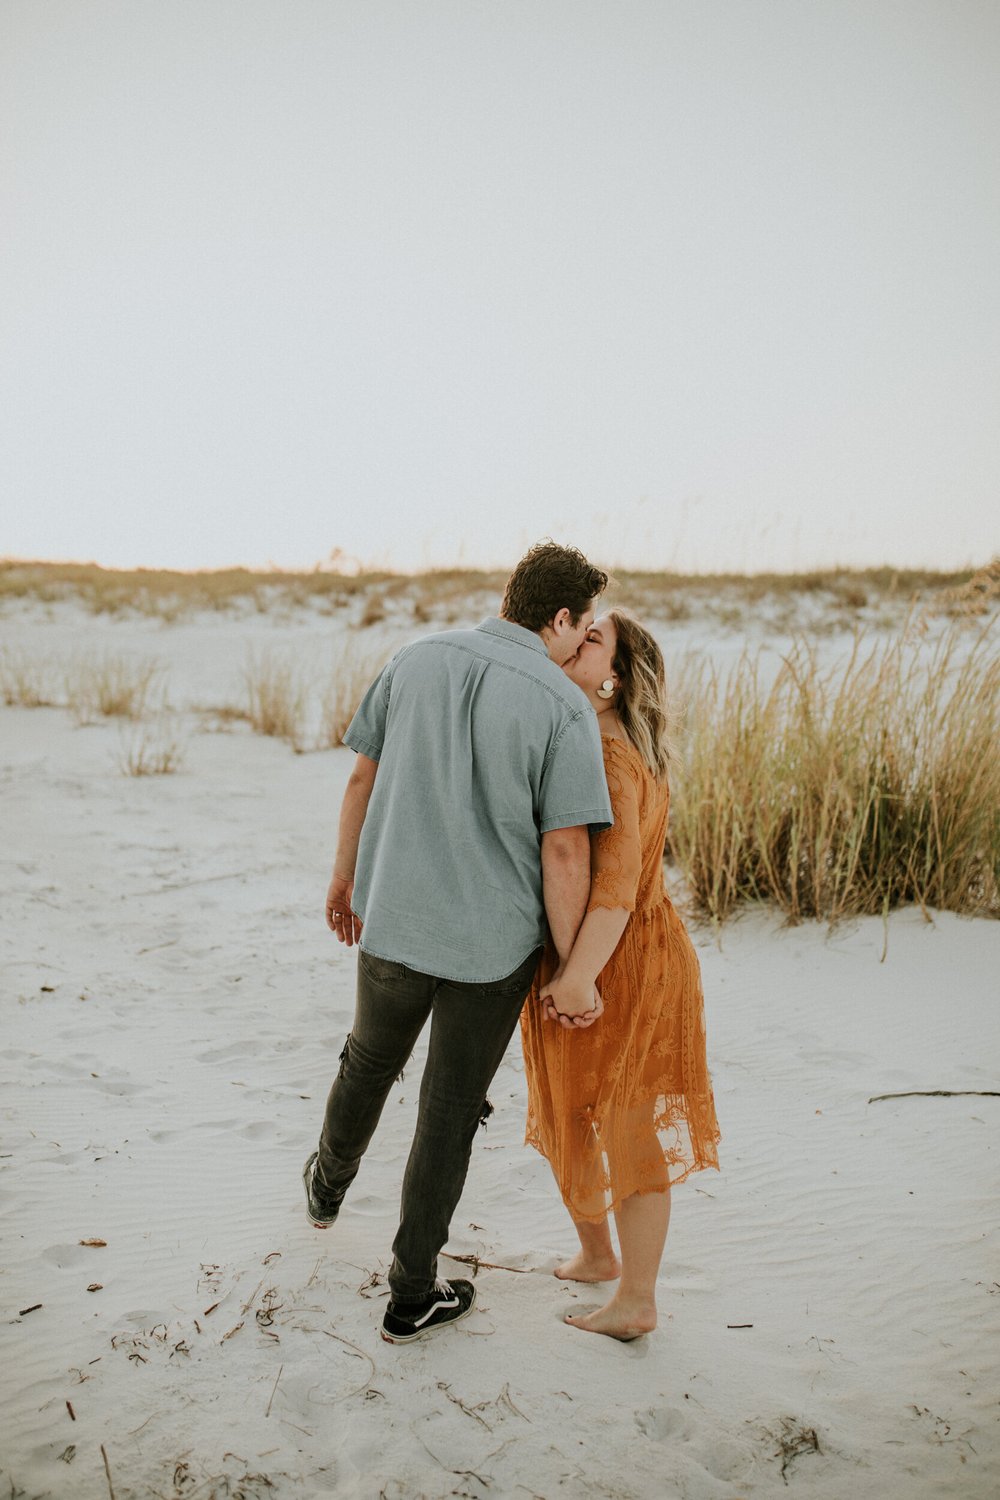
(571, 1003)
(339, 917)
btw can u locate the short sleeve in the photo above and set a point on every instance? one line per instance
(574, 789)
(616, 853)
(366, 731)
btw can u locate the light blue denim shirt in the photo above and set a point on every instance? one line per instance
(483, 744)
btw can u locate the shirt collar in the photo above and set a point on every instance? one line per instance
(511, 632)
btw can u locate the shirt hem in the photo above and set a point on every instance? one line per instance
(363, 747)
(394, 958)
(594, 816)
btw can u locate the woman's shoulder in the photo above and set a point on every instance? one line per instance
(620, 755)
(617, 747)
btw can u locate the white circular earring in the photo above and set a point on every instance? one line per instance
(606, 689)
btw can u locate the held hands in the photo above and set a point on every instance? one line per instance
(573, 1004)
(339, 917)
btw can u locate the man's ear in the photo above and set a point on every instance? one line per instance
(562, 621)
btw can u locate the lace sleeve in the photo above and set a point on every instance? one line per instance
(616, 852)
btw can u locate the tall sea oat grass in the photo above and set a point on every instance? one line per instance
(355, 670)
(276, 696)
(845, 790)
(27, 681)
(977, 596)
(151, 748)
(108, 686)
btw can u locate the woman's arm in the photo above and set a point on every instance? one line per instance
(571, 994)
(616, 859)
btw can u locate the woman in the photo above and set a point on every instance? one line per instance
(623, 1106)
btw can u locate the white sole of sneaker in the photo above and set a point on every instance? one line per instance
(425, 1333)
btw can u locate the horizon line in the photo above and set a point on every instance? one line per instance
(356, 568)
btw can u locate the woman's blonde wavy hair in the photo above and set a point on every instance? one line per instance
(642, 692)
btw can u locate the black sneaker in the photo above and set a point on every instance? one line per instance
(448, 1303)
(321, 1214)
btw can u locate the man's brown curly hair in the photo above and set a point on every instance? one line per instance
(547, 579)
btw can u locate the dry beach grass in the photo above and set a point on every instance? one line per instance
(828, 786)
(845, 790)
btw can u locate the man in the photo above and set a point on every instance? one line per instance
(463, 828)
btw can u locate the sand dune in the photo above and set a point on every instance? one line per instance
(173, 1009)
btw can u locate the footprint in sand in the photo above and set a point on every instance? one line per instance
(718, 1455)
(121, 1088)
(67, 1256)
(660, 1423)
(230, 1053)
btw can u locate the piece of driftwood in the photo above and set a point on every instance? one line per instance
(485, 1265)
(939, 1094)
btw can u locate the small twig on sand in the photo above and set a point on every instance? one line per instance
(249, 1303)
(508, 1401)
(274, 1388)
(939, 1094)
(361, 1353)
(470, 1411)
(69, 1408)
(107, 1470)
(485, 1265)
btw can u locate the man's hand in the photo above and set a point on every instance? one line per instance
(572, 1004)
(339, 917)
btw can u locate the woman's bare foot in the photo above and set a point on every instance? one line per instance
(584, 1267)
(622, 1318)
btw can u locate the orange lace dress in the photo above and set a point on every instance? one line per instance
(625, 1106)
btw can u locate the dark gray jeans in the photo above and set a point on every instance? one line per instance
(470, 1028)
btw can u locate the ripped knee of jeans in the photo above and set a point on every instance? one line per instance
(345, 1053)
(485, 1112)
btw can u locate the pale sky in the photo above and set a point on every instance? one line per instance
(693, 285)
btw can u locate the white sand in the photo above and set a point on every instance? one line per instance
(173, 1008)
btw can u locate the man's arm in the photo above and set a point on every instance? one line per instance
(565, 889)
(339, 917)
(565, 884)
